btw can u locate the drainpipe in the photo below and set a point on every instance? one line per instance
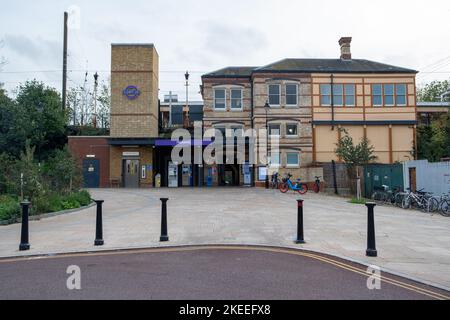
(253, 126)
(332, 102)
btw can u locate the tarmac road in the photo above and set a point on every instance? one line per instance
(205, 273)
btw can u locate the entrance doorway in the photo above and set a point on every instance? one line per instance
(91, 173)
(229, 175)
(412, 180)
(131, 173)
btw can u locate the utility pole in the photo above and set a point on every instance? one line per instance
(170, 108)
(186, 76)
(95, 99)
(64, 80)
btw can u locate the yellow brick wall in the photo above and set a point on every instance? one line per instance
(145, 158)
(134, 65)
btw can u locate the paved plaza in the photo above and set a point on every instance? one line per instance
(409, 243)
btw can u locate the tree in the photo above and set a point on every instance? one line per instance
(432, 92)
(2, 62)
(62, 172)
(39, 118)
(26, 174)
(104, 105)
(355, 156)
(433, 142)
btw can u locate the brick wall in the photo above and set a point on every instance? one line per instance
(81, 147)
(134, 65)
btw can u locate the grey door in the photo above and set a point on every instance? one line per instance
(131, 173)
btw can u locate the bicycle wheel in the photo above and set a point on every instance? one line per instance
(445, 208)
(376, 196)
(433, 205)
(399, 199)
(303, 189)
(283, 187)
(406, 203)
(316, 188)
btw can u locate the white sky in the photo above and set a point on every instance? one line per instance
(202, 36)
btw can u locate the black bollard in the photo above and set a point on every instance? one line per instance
(24, 242)
(371, 246)
(164, 236)
(300, 236)
(99, 224)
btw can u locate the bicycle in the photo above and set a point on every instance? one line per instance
(316, 186)
(386, 196)
(441, 205)
(420, 200)
(287, 184)
(275, 181)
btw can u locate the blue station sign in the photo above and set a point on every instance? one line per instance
(131, 92)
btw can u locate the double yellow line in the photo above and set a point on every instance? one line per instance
(322, 258)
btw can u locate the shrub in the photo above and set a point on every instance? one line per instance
(48, 203)
(9, 207)
(82, 197)
(61, 172)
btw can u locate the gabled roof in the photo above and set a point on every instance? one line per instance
(332, 66)
(231, 72)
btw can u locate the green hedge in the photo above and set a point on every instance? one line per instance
(48, 203)
(9, 207)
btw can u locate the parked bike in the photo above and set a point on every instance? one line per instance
(275, 181)
(287, 184)
(419, 200)
(440, 204)
(316, 187)
(385, 195)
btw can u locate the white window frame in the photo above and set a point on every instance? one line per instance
(293, 165)
(275, 165)
(296, 95)
(279, 95)
(390, 95)
(231, 99)
(381, 95)
(291, 135)
(274, 135)
(214, 99)
(323, 95)
(406, 94)
(342, 95)
(353, 95)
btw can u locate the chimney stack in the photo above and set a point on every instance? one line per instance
(346, 53)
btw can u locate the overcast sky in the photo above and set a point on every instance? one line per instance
(205, 35)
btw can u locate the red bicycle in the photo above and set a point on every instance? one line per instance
(316, 186)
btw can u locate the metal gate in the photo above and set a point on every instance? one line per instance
(91, 173)
(375, 176)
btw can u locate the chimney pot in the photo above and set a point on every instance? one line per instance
(346, 53)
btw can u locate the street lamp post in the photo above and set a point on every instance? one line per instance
(267, 108)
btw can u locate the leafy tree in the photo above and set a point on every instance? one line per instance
(104, 106)
(354, 156)
(432, 91)
(26, 174)
(62, 172)
(36, 116)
